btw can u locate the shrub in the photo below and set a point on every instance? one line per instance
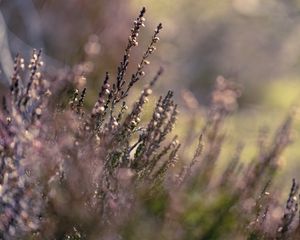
(70, 173)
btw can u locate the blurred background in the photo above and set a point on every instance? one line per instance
(253, 42)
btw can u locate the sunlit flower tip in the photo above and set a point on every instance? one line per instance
(101, 109)
(38, 111)
(133, 123)
(142, 73)
(156, 39)
(106, 91)
(157, 115)
(152, 49)
(48, 93)
(38, 74)
(100, 100)
(295, 198)
(146, 62)
(148, 91)
(137, 119)
(145, 100)
(160, 109)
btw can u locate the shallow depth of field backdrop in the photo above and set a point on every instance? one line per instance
(253, 42)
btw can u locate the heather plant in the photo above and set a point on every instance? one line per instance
(111, 173)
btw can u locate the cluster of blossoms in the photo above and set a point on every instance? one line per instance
(70, 173)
